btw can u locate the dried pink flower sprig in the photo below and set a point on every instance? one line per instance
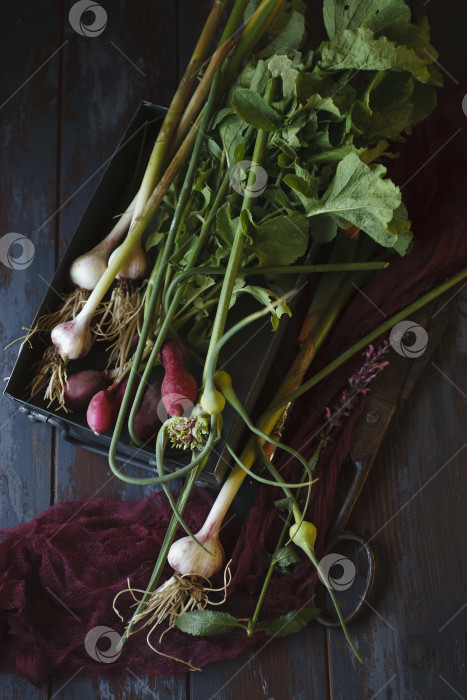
(357, 384)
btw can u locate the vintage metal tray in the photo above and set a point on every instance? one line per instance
(248, 358)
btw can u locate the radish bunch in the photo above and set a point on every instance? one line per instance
(101, 395)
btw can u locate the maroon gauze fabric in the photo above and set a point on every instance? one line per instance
(82, 552)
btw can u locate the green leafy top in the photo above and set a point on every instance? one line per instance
(335, 113)
(340, 15)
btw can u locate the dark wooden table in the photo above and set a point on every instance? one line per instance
(65, 100)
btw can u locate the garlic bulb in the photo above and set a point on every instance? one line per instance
(187, 557)
(73, 338)
(136, 264)
(86, 271)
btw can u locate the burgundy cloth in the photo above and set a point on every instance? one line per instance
(78, 555)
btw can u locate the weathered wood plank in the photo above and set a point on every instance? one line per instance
(104, 80)
(284, 669)
(417, 514)
(28, 123)
(419, 566)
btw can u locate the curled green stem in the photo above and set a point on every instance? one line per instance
(173, 475)
(268, 482)
(310, 552)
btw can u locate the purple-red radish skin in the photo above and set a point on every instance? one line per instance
(108, 375)
(179, 387)
(147, 421)
(102, 411)
(81, 387)
(120, 391)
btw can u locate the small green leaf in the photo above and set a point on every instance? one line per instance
(254, 110)
(335, 154)
(323, 228)
(281, 240)
(248, 225)
(154, 239)
(378, 151)
(357, 49)
(206, 622)
(284, 146)
(286, 556)
(225, 224)
(265, 297)
(196, 288)
(291, 36)
(282, 67)
(323, 104)
(254, 76)
(232, 132)
(305, 191)
(359, 194)
(239, 152)
(284, 504)
(290, 623)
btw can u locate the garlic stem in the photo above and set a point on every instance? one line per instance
(139, 227)
(201, 92)
(156, 160)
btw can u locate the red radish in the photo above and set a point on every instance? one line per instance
(102, 411)
(179, 387)
(120, 390)
(81, 387)
(104, 407)
(108, 375)
(147, 420)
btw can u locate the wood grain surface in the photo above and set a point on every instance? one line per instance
(65, 101)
